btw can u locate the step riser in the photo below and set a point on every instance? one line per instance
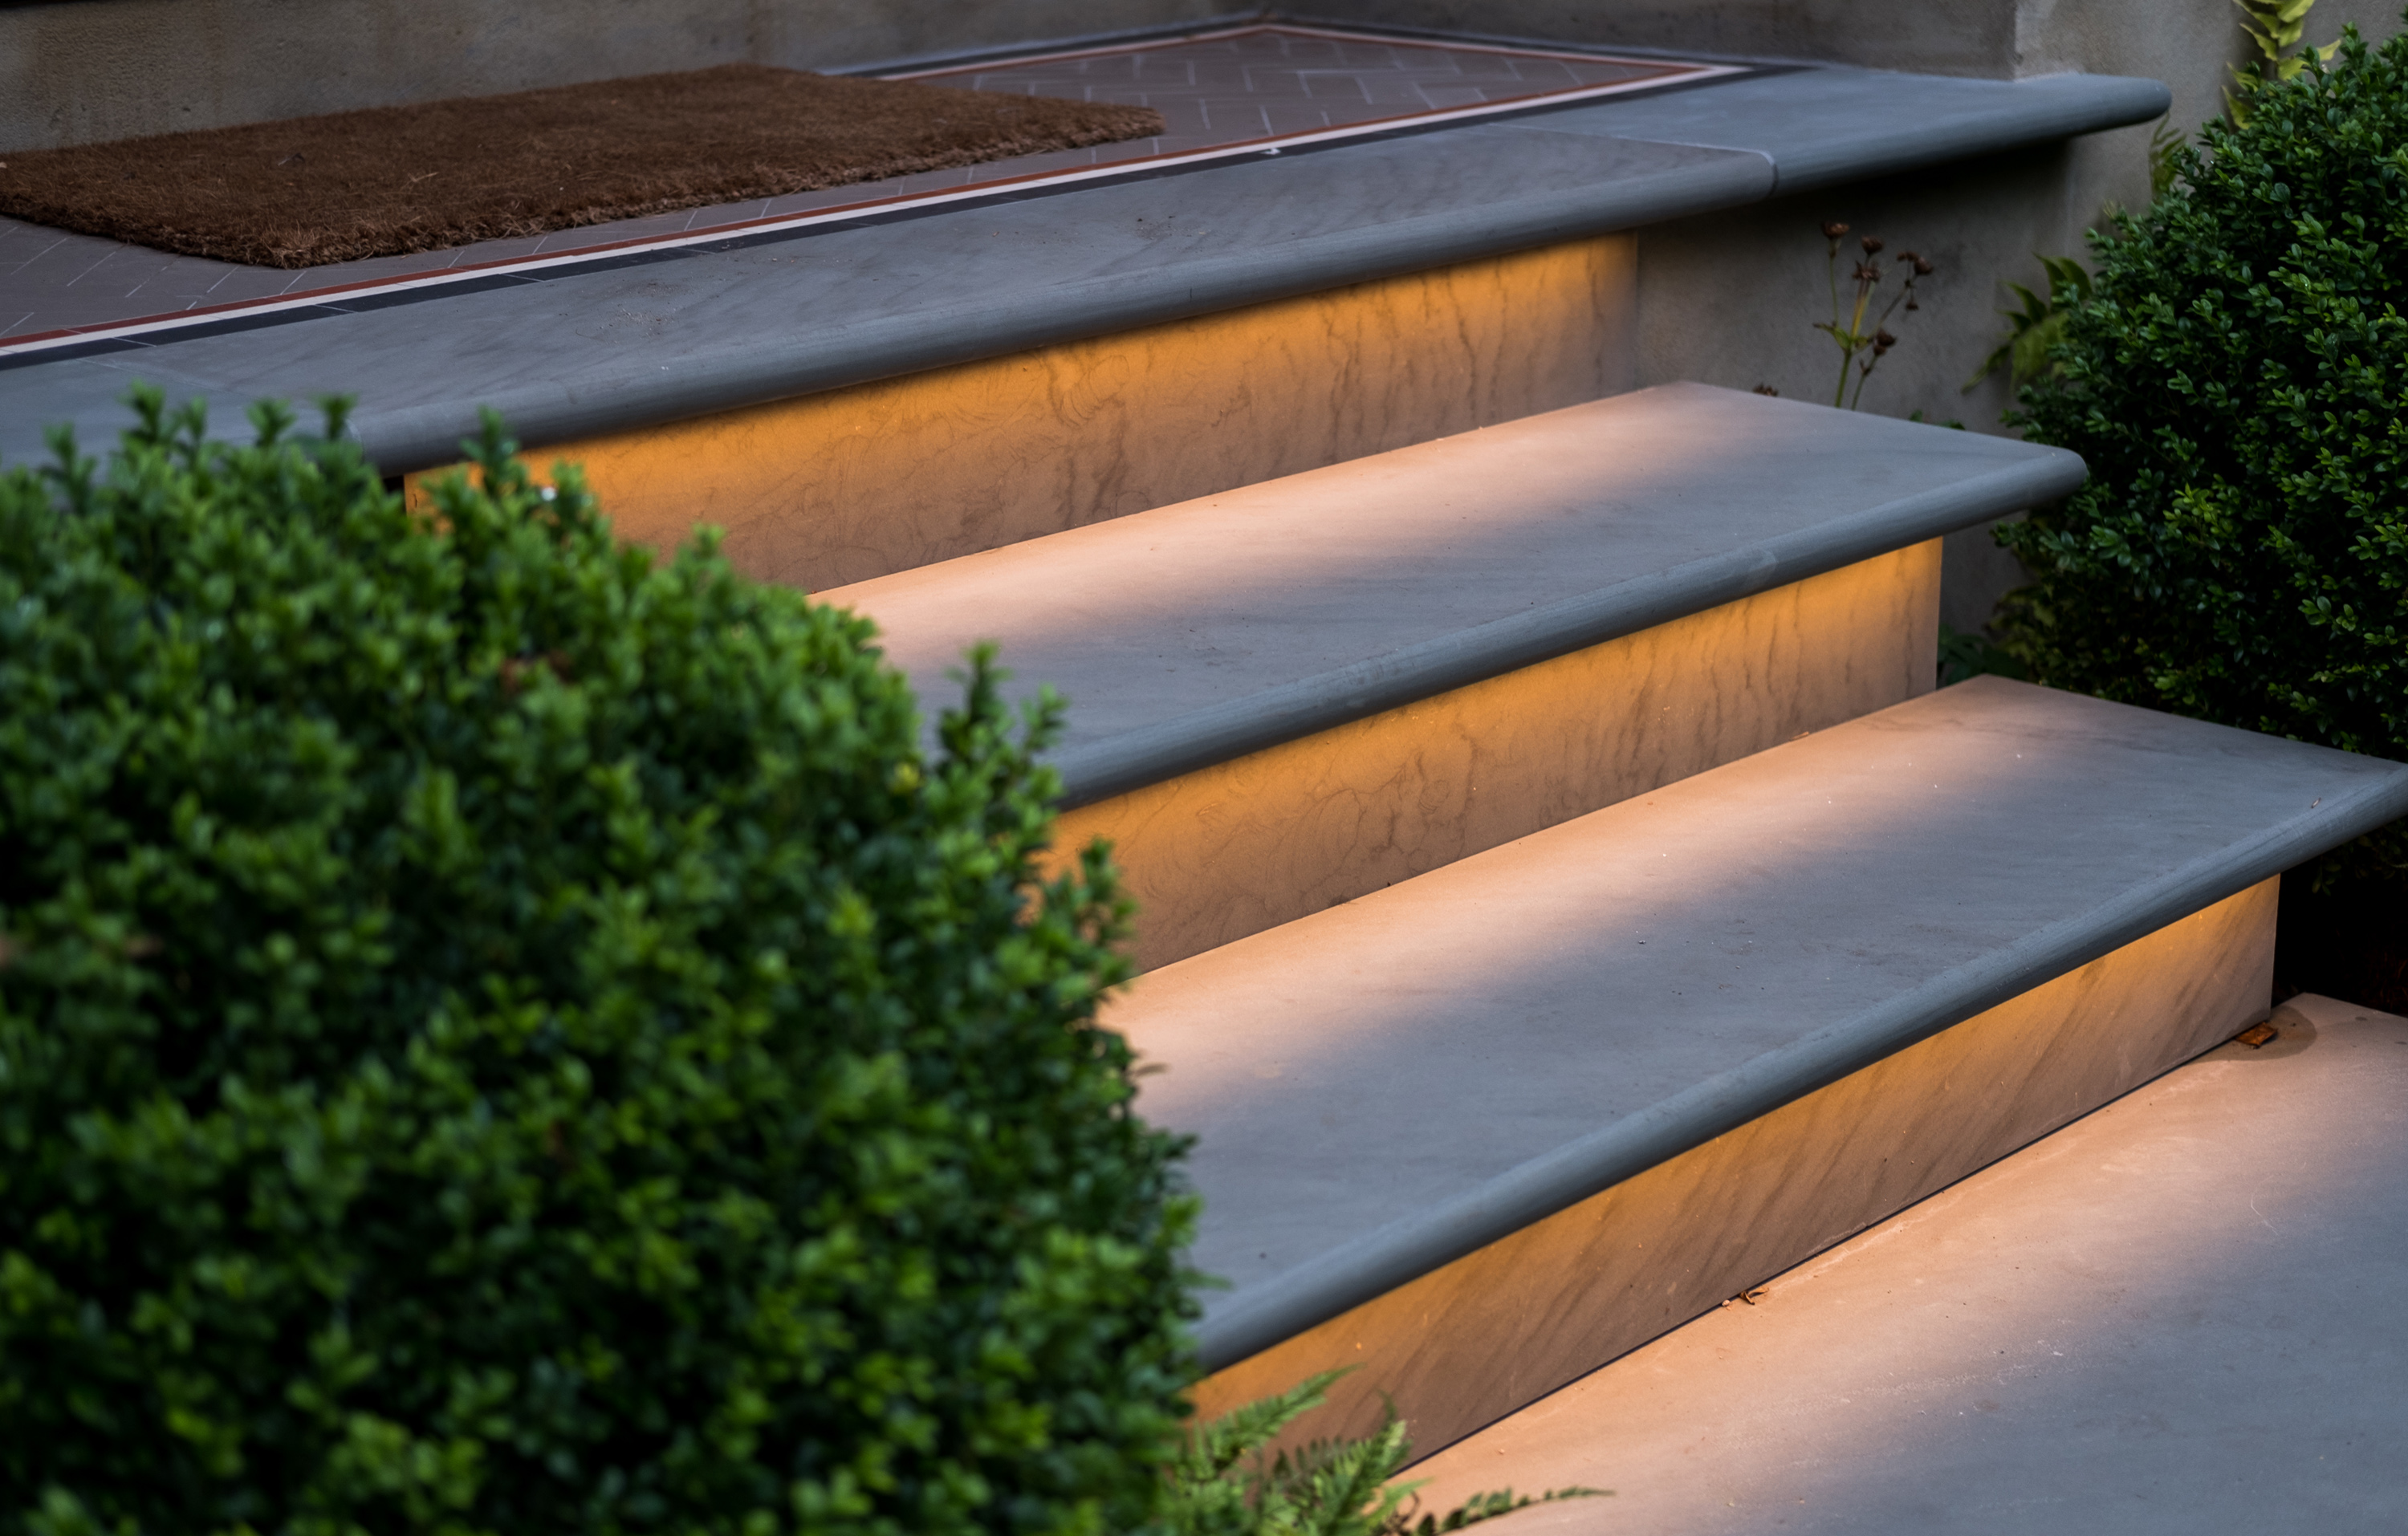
(1276, 835)
(1502, 1326)
(855, 483)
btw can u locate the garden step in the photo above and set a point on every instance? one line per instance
(1289, 694)
(1485, 1130)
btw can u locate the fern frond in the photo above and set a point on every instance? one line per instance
(1214, 1448)
(1489, 1506)
(1224, 1483)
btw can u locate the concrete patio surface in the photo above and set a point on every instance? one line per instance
(2182, 1314)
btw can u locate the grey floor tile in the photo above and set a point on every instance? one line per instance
(1444, 98)
(1242, 117)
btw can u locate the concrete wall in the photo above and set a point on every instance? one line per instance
(1732, 299)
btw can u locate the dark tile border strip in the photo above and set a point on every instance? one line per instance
(922, 63)
(1327, 32)
(913, 63)
(1636, 53)
(435, 287)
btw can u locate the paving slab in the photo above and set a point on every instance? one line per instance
(2185, 1313)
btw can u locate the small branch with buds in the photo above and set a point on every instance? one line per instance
(1862, 349)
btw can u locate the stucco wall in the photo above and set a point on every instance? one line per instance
(1732, 298)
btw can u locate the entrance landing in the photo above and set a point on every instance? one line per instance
(1226, 93)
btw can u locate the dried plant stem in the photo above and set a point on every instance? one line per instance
(1861, 350)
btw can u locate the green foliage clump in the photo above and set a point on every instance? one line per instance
(2238, 381)
(2034, 330)
(1228, 1480)
(499, 1035)
(2273, 28)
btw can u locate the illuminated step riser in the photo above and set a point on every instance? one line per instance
(1275, 834)
(854, 483)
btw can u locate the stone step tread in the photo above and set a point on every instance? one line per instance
(1387, 1084)
(1189, 634)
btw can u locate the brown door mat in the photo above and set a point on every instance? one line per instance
(392, 179)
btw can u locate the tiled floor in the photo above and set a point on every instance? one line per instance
(1268, 80)
(1214, 90)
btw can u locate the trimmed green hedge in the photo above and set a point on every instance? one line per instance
(496, 1036)
(2238, 381)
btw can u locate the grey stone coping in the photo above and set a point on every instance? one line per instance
(1391, 1084)
(635, 340)
(1821, 127)
(1187, 634)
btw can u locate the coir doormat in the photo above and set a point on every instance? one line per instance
(310, 191)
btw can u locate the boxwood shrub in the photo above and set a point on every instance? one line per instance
(2238, 380)
(501, 1035)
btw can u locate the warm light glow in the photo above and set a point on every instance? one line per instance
(854, 483)
(1494, 1331)
(1278, 834)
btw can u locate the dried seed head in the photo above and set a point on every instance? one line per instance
(1768, 389)
(1913, 304)
(1882, 341)
(1833, 231)
(1868, 272)
(1872, 245)
(1922, 267)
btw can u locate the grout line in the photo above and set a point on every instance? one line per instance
(82, 273)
